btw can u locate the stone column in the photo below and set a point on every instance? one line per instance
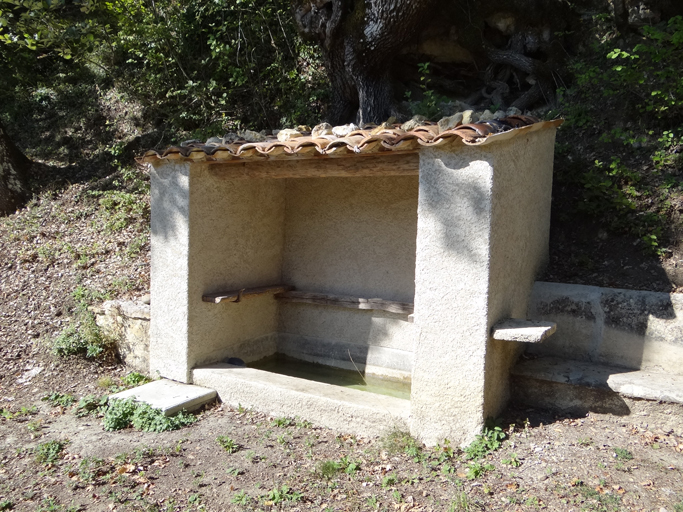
(483, 221)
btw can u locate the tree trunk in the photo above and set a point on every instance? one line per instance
(13, 175)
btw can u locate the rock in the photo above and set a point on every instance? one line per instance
(448, 123)
(303, 128)
(469, 116)
(344, 130)
(382, 127)
(145, 299)
(288, 134)
(415, 122)
(513, 111)
(213, 141)
(251, 136)
(487, 115)
(186, 143)
(321, 130)
(499, 114)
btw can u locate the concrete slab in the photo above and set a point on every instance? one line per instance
(168, 396)
(524, 331)
(635, 384)
(339, 408)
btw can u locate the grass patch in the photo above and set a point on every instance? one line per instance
(622, 454)
(397, 441)
(59, 399)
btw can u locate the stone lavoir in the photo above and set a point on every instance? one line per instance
(401, 255)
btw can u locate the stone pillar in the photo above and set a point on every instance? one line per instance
(212, 233)
(170, 242)
(483, 222)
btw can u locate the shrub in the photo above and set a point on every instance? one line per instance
(120, 414)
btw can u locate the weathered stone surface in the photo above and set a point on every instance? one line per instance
(344, 409)
(168, 396)
(636, 384)
(344, 130)
(469, 116)
(448, 123)
(524, 331)
(127, 323)
(415, 122)
(634, 329)
(288, 134)
(322, 130)
(252, 136)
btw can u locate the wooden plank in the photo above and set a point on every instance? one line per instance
(346, 302)
(384, 164)
(244, 293)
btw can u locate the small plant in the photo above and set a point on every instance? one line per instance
(328, 468)
(372, 502)
(59, 399)
(120, 414)
(476, 469)
(486, 442)
(135, 379)
(584, 441)
(284, 493)
(678, 507)
(6, 505)
(227, 444)
(90, 404)
(461, 503)
(389, 480)
(513, 461)
(282, 422)
(234, 471)
(397, 441)
(49, 452)
(622, 454)
(240, 498)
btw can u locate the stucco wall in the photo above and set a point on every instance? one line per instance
(521, 199)
(355, 237)
(237, 237)
(352, 236)
(170, 198)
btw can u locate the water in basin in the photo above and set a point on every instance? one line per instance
(292, 367)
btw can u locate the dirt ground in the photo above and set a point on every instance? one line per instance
(64, 242)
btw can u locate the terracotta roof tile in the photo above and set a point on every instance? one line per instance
(359, 141)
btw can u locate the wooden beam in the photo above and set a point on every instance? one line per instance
(385, 164)
(244, 293)
(346, 302)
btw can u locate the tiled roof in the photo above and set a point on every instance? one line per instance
(366, 141)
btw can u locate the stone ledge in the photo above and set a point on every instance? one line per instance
(342, 409)
(635, 384)
(169, 396)
(524, 331)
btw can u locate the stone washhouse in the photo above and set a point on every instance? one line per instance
(406, 256)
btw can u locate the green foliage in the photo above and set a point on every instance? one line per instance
(120, 414)
(328, 468)
(91, 404)
(476, 469)
(629, 100)
(282, 422)
(24, 411)
(513, 460)
(486, 442)
(59, 399)
(135, 379)
(228, 444)
(389, 480)
(623, 454)
(83, 336)
(120, 209)
(428, 105)
(284, 493)
(6, 505)
(49, 452)
(240, 498)
(397, 441)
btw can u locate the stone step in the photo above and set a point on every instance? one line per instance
(169, 396)
(580, 387)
